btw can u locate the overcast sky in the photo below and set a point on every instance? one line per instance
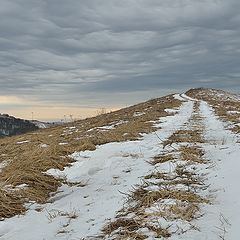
(60, 57)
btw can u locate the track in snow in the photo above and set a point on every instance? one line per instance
(114, 168)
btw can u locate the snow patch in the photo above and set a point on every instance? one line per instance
(22, 142)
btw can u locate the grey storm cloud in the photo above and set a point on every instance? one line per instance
(57, 50)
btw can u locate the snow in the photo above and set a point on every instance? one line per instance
(21, 186)
(233, 112)
(184, 96)
(224, 151)
(114, 168)
(138, 114)
(178, 97)
(40, 124)
(71, 127)
(3, 164)
(106, 127)
(111, 126)
(43, 145)
(22, 142)
(171, 110)
(221, 219)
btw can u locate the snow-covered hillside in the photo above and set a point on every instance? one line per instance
(177, 181)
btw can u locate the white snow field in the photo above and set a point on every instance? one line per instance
(110, 172)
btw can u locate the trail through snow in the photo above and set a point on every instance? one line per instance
(113, 169)
(221, 218)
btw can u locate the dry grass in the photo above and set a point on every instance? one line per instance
(181, 210)
(124, 228)
(185, 136)
(185, 212)
(192, 153)
(162, 159)
(179, 176)
(145, 198)
(186, 209)
(28, 161)
(10, 204)
(127, 224)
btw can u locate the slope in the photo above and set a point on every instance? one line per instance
(167, 168)
(26, 158)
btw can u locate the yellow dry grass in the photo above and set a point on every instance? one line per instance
(185, 136)
(10, 204)
(145, 198)
(162, 159)
(181, 210)
(192, 153)
(125, 228)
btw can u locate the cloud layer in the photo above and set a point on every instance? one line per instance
(92, 52)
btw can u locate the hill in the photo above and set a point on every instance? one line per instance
(165, 168)
(10, 126)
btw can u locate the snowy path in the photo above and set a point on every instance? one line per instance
(222, 148)
(114, 168)
(222, 218)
